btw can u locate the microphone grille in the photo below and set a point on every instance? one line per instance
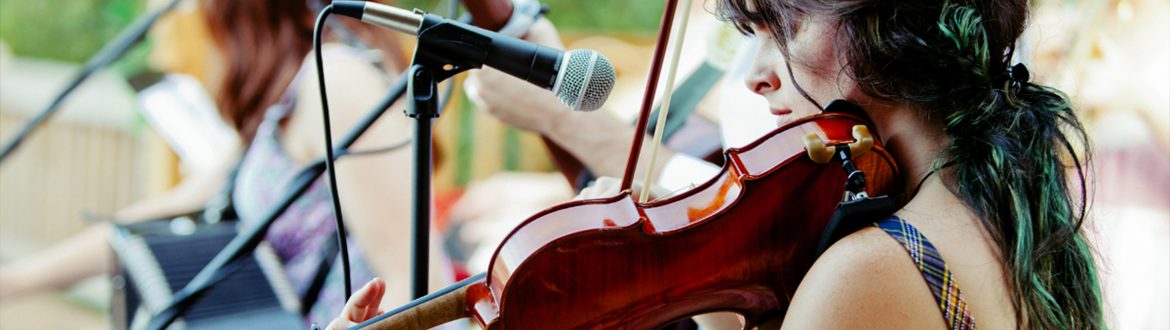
(585, 80)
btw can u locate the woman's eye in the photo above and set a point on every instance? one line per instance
(745, 29)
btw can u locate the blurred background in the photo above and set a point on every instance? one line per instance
(104, 149)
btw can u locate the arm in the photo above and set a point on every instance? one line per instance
(87, 253)
(80, 256)
(375, 190)
(188, 196)
(599, 140)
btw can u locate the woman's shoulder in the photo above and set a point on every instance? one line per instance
(355, 84)
(339, 52)
(865, 280)
(341, 60)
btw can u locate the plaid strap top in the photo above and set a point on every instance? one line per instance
(934, 271)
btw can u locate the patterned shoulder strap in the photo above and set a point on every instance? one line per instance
(934, 271)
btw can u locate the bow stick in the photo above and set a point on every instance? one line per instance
(648, 97)
(662, 115)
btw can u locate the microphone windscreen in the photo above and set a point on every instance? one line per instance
(585, 80)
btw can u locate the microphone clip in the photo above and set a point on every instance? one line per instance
(447, 48)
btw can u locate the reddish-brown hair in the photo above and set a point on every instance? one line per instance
(264, 43)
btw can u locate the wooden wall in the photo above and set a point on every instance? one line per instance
(67, 170)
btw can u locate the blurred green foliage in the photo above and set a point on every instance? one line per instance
(73, 30)
(69, 30)
(637, 17)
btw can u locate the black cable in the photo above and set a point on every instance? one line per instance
(329, 167)
(347, 36)
(367, 152)
(112, 51)
(251, 235)
(329, 156)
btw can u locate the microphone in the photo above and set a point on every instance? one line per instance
(581, 79)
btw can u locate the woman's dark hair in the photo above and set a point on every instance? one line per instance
(264, 43)
(1012, 141)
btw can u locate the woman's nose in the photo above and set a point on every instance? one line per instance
(761, 79)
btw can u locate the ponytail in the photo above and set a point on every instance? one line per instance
(1013, 143)
(1012, 154)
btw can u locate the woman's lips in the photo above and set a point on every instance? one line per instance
(781, 116)
(781, 112)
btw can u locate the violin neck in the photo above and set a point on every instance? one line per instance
(426, 315)
(443, 306)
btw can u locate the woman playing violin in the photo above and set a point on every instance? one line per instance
(990, 233)
(983, 151)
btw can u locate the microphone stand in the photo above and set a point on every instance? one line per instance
(250, 236)
(110, 52)
(443, 51)
(424, 110)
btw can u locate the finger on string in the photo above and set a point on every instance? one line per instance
(358, 306)
(372, 309)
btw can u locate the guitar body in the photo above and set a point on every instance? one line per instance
(615, 263)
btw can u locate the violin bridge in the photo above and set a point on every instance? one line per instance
(818, 151)
(821, 153)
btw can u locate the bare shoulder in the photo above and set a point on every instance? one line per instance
(350, 76)
(865, 280)
(354, 86)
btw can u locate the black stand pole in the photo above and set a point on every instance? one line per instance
(250, 236)
(424, 108)
(443, 51)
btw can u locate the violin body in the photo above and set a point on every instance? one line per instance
(616, 263)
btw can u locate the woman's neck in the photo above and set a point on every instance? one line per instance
(912, 140)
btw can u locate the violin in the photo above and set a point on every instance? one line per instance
(740, 242)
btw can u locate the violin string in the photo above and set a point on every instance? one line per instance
(668, 87)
